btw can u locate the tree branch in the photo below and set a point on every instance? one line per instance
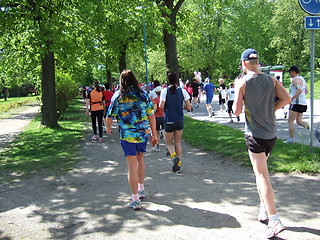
(177, 7)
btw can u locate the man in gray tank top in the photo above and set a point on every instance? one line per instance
(257, 91)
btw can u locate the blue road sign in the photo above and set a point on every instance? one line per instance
(312, 22)
(310, 6)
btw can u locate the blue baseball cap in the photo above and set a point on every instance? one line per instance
(246, 54)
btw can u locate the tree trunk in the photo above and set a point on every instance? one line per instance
(170, 44)
(109, 77)
(169, 33)
(4, 92)
(48, 110)
(122, 60)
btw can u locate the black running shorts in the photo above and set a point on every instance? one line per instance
(258, 145)
(172, 126)
(298, 108)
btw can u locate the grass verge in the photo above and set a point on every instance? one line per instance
(40, 147)
(15, 102)
(229, 142)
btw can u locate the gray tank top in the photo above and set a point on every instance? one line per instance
(259, 101)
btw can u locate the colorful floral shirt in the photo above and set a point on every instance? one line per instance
(132, 113)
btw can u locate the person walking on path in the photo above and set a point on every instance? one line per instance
(209, 90)
(159, 114)
(195, 88)
(258, 91)
(230, 100)
(222, 94)
(298, 90)
(133, 110)
(107, 94)
(96, 107)
(172, 99)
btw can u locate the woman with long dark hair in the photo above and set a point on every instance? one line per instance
(172, 99)
(134, 111)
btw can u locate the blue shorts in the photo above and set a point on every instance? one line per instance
(209, 99)
(133, 149)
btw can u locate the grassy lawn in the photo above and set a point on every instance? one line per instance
(43, 148)
(15, 102)
(229, 142)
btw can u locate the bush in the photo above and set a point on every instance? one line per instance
(66, 89)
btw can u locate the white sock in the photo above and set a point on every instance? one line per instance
(274, 217)
(262, 206)
(135, 197)
(140, 186)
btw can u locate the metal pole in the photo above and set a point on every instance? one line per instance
(145, 51)
(311, 89)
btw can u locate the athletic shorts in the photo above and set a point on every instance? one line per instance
(159, 123)
(172, 126)
(222, 101)
(298, 108)
(209, 99)
(133, 149)
(195, 93)
(258, 145)
(230, 103)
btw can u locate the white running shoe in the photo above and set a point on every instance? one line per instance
(141, 194)
(290, 140)
(263, 215)
(274, 227)
(136, 205)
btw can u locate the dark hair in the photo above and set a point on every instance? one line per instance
(294, 69)
(173, 80)
(128, 81)
(156, 83)
(107, 86)
(97, 86)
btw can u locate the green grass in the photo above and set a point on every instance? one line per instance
(229, 142)
(15, 102)
(40, 147)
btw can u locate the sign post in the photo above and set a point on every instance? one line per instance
(312, 23)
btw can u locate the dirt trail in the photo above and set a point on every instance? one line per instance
(11, 126)
(214, 198)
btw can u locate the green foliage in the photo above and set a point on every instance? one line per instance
(230, 142)
(66, 90)
(88, 37)
(40, 147)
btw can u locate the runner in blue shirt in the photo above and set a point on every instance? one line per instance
(209, 89)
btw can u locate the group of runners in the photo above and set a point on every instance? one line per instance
(140, 116)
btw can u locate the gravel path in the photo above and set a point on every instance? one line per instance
(11, 126)
(214, 198)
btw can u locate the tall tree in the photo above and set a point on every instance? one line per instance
(169, 12)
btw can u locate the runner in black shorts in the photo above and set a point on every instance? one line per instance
(257, 91)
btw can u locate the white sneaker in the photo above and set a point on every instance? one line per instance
(290, 140)
(274, 227)
(263, 215)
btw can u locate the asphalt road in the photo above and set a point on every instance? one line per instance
(302, 135)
